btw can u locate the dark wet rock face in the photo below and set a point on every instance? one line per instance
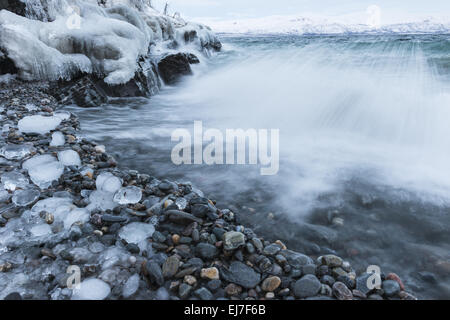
(16, 6)
(6, 64)
(172, 67)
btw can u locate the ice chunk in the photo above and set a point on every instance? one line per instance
(128, 195)
(51, 204)
(41, 230)
(13, 180)
(101, 200)
(63, 115)
(44, 174)
(4, 195)
(37, 161)
(38, 124)
(16, 151)
(91, 289)
(25, 197)
(57, 139)
(69, 158)
(131, 286)
(136, 232)
(108, 182)
(30, 107)
(76, 215)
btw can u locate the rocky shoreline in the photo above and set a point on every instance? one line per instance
(133, 236)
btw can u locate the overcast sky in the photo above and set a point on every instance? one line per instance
(392, 10)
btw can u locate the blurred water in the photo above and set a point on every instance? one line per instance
(364, 136)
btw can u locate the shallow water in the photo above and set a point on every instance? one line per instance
(364, 137)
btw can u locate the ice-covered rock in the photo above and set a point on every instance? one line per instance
(57, 139)
(108, 182)
(136, 232)
(13, 180)
(43, 174)
(131, 286)
(76, 215)
(91, 289)
(128, 195)
(38, 124)
(16, 151)
(37, 161)
(41, 230)
(51, 205)
(101, 200)
(25, 197)
(4, 195)
(69, 158)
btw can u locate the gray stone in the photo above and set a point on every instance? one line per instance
(155, 273)
(307, 286)
(170, 267)
(271, 249)
(203, 294)
(233, 240)
(241, 274)
(390, 288)
(206, 250)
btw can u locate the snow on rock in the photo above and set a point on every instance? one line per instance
(107, 41)
(57, 139)
(128, 195)
(91, 289)
(69, 158)
(136, 232)
(13, 180)
(38, 124)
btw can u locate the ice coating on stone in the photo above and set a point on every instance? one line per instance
(4, 195)
(76, 215)
(51, 205)
(38, 124)
(44, 174)
(69, 158)
(16, 151)
(57, 139)
(131, 286)
(114, 257)
(136, 232)
(13, 180)
(91, 289)
(40, 230)
(25, 197)
(108, 182)
(101, 200)
(128, 195)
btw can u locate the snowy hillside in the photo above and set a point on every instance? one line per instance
(323, 25)
(54, 40)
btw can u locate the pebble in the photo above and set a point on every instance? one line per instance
(241, 274)
(341, 292)
(233, 240)
(233, 289)
(210, 273)
(271, 283)
(390, 288)
(170, 267)
(307, 286)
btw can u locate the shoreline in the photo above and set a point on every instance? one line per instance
(194, 251)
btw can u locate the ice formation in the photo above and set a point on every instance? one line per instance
(38, 124)
(43, 169)
(57, 139)
(69, 158)
(128, 195)
(91, 289)
(107, 182)
(79, 36)
(13, 180)
(131, 286)
(25, 197)
(136, 232)
(16, 151)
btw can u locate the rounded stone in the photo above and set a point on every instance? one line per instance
(271, 283)
(307, 286)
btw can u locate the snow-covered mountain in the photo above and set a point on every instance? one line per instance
(297, 24)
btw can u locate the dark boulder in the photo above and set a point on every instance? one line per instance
(6, 64)
(172, 67)
(16, 6)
